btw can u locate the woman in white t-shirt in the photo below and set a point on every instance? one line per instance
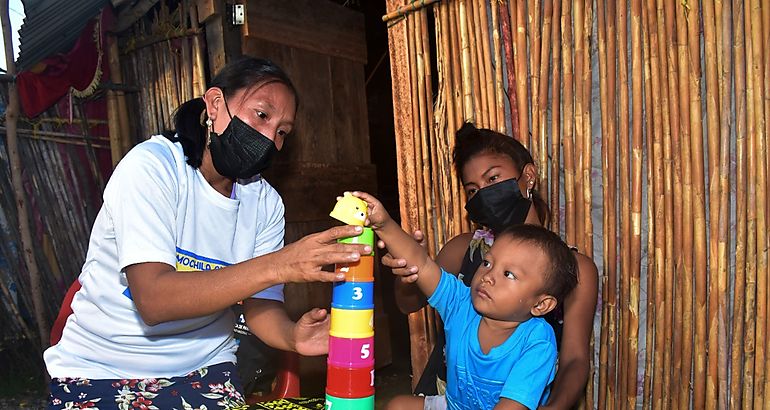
(188, 228)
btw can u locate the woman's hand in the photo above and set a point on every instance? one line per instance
(303, 260)
(311, 333)
(407, 274)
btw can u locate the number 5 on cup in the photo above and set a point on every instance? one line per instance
(365, 351)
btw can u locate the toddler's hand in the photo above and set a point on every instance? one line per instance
(377, 215)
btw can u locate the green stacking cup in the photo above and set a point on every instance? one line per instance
(366, 238)
(338, 403)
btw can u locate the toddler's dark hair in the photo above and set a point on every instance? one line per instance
(561, 278)
(471, 141)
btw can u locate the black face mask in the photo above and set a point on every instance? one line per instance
(499, 205)
(241, 152)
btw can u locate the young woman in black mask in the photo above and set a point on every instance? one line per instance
(188, 228)
(500, 180)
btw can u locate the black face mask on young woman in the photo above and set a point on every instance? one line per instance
(240, 151)
(499, 205)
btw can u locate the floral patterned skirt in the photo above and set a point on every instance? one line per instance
(213, 387)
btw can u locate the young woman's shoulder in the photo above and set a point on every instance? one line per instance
(580, 305)
(586, 269)
(450, 257)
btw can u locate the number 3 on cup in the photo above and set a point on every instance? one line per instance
(365, 351)
(358, 293)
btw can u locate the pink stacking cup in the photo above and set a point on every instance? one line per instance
(352, 353)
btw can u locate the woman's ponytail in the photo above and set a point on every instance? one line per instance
(190, 130)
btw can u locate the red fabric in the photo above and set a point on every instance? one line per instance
(77, 69)
(286, 381)
(64, 312)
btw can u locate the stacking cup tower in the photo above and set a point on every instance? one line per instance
(350, 367)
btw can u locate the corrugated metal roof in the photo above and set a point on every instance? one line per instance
(51, 27)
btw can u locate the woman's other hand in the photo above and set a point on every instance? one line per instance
(303, 260)
(407, 274)
(311, 333)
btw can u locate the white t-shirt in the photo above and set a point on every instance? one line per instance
(159, 209)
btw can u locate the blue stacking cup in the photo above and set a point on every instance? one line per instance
(353, 295)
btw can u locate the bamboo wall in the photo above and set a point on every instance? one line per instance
(64, 168)
(163, 57)
(647, 120)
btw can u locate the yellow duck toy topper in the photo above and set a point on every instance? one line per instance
(350, 210)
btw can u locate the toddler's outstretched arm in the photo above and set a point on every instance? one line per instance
(401, 245)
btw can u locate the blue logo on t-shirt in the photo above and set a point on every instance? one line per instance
(187, 261)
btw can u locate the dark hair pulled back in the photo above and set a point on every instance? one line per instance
(243, 73)
(471, 141)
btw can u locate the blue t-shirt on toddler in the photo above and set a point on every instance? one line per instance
(520, 369)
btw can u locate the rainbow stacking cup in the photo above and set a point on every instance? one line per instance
(353, 295)
(339, 403)
(361, 271)
(352, 324)
(346, 352)
(365, 238)
(349, 383)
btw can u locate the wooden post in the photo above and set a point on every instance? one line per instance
(575, 186)
(670, 225)
(505, 28)
(116, 76)
(760, 145)
(685, 273)
(723, 19)
(11, 118)
(113, 117)
(625, 198)
(712, 116)
(675, 327)
(199, 74)
(520, 63)
(400, 67)
(222, 38)
(467, 78)
(567, 127)
(636, 202)
(113, 124)
(556, 38)
(741, 216)
(607, 67)
(540, 132)
(698, 205)
(499, 90)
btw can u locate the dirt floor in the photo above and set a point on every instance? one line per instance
(24, 400)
